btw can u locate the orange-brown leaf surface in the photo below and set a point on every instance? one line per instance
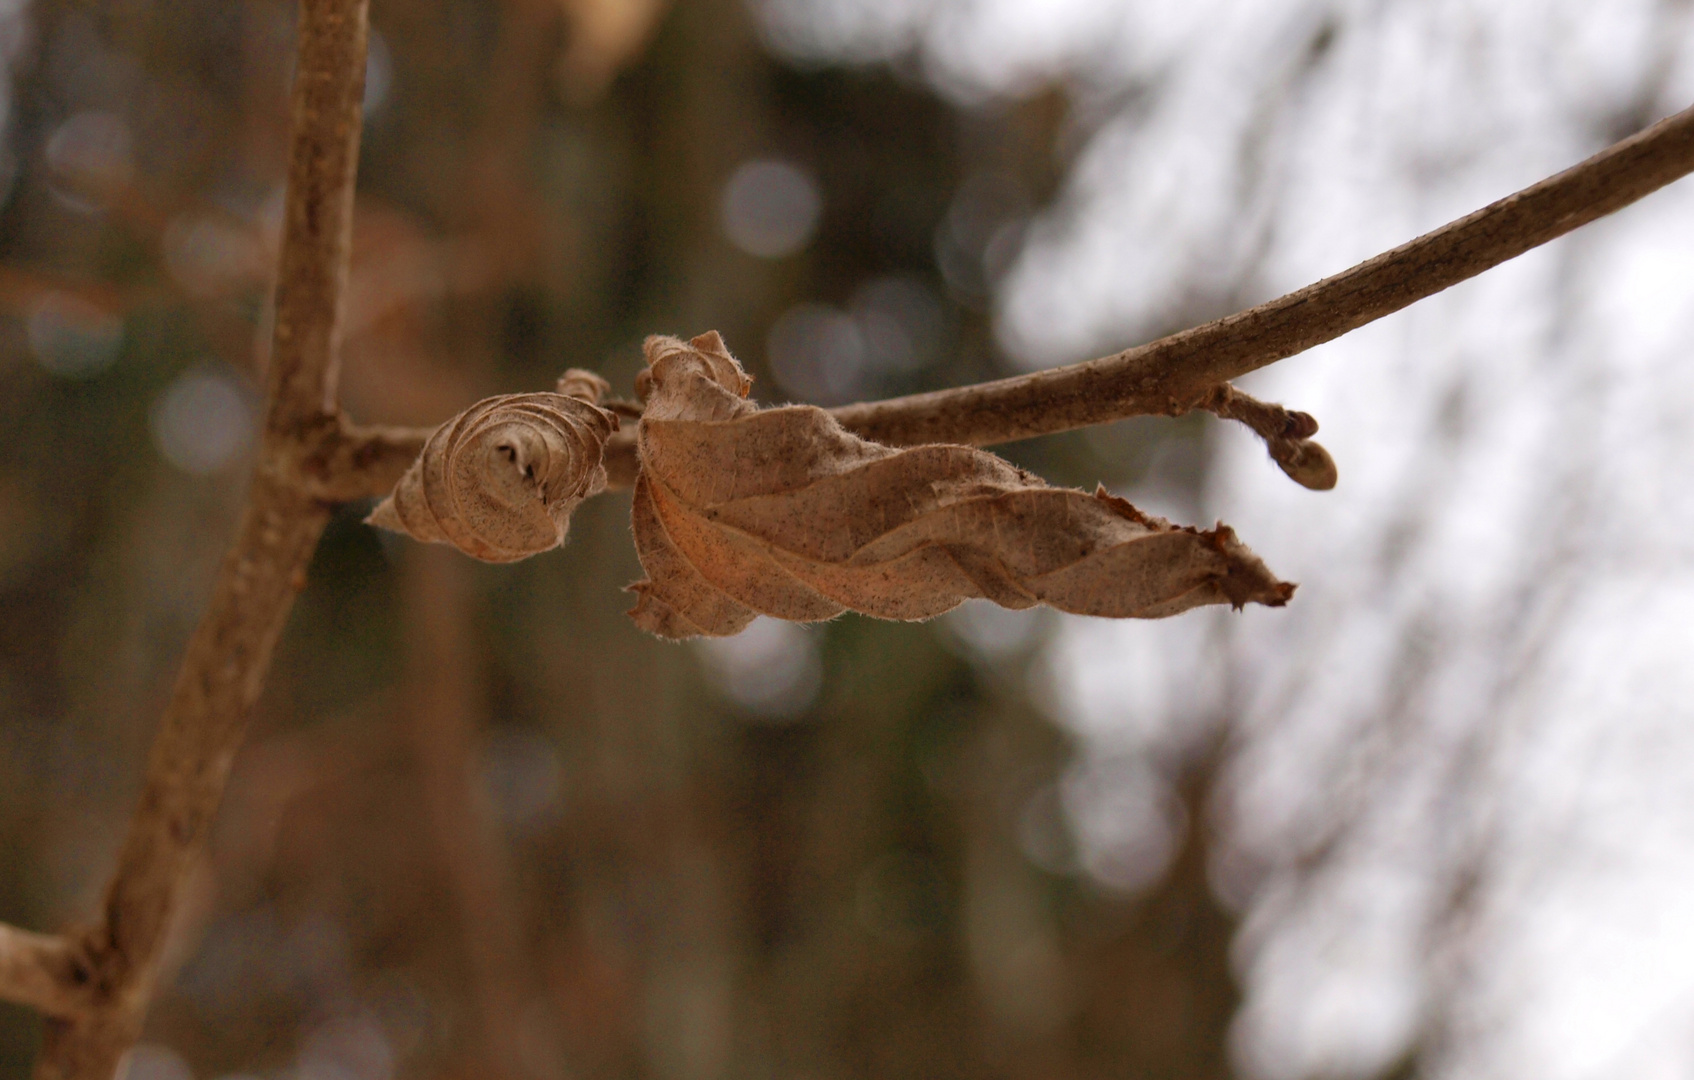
(741, 511)
(499, 481)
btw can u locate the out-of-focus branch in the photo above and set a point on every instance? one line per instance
(1174, 374)
(442, 701)
(229, 654)
(44, 971)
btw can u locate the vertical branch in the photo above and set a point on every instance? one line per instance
(312, 266)
(229, 654)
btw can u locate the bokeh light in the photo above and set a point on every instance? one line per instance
(209, 254)
(772, 668)
(203, 422)
(522, 775)
(73, 338)
(817, 353)
(91, 155)
(150, 1061)
(771, 208)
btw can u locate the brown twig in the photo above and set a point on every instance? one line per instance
(364, 461)
(1174, 374)
(228, 656)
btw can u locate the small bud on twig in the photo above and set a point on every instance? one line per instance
(1287, 435)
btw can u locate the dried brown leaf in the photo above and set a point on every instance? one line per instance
(499, 481)
(741, 511)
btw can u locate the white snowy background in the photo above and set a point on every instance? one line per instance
(1461, 764)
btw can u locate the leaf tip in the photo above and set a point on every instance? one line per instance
(652, 614)
(710, 342)
(1246, 579)
(385, 516)
(584, 386)
(708, 350)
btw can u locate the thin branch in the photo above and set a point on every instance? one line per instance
(226, 661)
(44, 971)
(1174, 374)
(362, 462)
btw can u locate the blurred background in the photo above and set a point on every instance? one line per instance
(1431, 820)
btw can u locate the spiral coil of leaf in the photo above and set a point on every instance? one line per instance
(500, 480)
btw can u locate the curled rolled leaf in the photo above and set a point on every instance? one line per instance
(740, 511)
(499, 481)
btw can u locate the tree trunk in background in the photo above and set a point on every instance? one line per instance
(443, 708)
